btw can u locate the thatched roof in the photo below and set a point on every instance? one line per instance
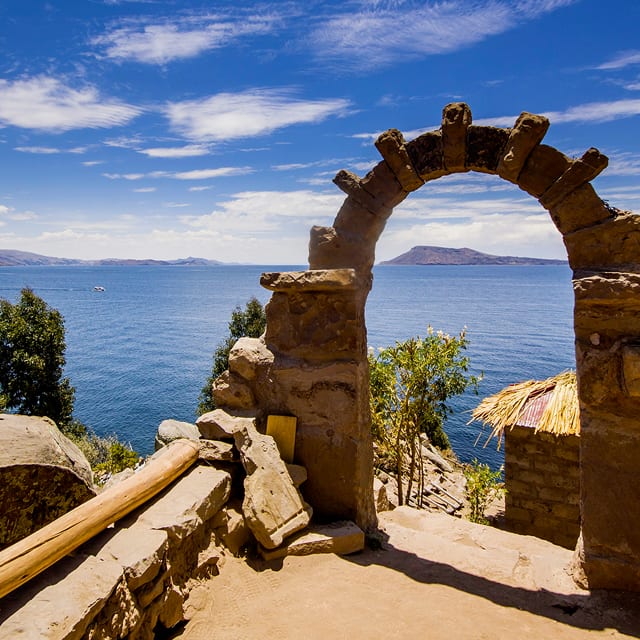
(549, 405)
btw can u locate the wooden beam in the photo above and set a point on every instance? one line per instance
(30, 556)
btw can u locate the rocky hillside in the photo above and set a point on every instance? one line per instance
(424, 255)
(11, 258)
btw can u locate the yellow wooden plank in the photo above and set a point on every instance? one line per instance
(283, 430)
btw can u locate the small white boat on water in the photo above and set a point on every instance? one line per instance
(98, 288)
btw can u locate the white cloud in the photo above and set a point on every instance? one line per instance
(378, 34)
(622, 60)
(249, 113)
(623, 164)
(196, 174)
(38, 150)
(200, 188)
(271, 227)
(504, 226)
(253, 212)
(92, 163)
(177, 38)
(51, 150)
(205, 174)
(46, 103)
(10, 213)
(145, 190)
(124, 176)
(596, 112)
(188, 151)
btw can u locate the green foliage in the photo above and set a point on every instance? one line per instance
(410, 386)
(483, 485)
(32, 346)
(105, 455)
(251, 323)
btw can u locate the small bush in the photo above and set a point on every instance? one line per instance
(105, 455)
(483, 485)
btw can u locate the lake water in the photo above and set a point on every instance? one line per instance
(140, 351)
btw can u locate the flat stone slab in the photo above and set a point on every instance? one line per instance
(272, 506)
(312, 280)
(197, 497)
(342, 538)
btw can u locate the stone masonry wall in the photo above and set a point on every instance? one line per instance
(130, 581)
(542, 478)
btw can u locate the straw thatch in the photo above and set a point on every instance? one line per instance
(557, 410)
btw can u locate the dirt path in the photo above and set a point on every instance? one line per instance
(436, 577)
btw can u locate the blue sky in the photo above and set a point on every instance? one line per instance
(163, 129)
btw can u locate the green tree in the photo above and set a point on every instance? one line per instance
(410, 387)
(251, 323)
(32, 346)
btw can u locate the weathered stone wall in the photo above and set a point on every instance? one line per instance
(542, 478)
(131, 580)
(312, 364)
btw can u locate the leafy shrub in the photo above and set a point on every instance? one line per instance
(105, 455)
(483, 486)
(410, 387)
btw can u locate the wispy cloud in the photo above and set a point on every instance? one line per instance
(205, 174)
(178, 38)
(623, 164)
(251, 212)
(38, 150)
(378, 33)
(227, 116)
(145, 190)
(50, 150)
(196, 174)
(46, 103)
(9, 213)
(623, 59)
(188, 151)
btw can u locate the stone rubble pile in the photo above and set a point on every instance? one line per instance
(133, 580)
(270, 503)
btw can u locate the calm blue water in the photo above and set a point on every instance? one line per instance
(140, 351)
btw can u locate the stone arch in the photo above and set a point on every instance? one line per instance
(312, 363)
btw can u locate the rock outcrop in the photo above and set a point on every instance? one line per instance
(42, 475)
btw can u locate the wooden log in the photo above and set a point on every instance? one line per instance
(30, 556)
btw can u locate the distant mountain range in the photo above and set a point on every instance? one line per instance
(424, 255)
(10, 258)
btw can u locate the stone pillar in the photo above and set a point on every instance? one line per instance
(607, 323)
(316, 332)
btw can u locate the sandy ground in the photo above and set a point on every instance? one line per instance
(435, 577)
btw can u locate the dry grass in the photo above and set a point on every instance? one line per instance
(504, 409)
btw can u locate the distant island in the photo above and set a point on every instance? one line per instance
(425, 255)
(10, 258)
